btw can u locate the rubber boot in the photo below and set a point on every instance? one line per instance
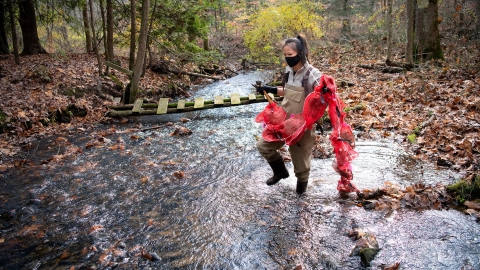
(301, 186)
(279, 171)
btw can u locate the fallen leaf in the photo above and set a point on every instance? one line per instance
(95, 228)
(472, 205)
(179, 174)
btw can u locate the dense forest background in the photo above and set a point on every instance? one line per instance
(397, 63)
(202, 31)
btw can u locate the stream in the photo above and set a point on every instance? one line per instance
(149, 200)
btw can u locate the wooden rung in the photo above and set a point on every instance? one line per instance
(251, 97)
(199, 103)
(162, 105)
(181, 104)
(137, 106)
(117, 100)
(235, 99)
(218, 100)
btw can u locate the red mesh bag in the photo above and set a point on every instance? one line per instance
(343, 151)
(314, 107)
(334, 113)
(344, 171)
(271, 115)
(342, 138)
(270, 134)
(344, 185)
(328, 82)
(292, 129)
(346, 135)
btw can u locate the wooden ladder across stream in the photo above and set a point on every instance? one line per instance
(164, 106)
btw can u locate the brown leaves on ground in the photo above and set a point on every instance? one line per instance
(394, 266)
(418, 196)
(473, 208)
(396, 105)
(179, 174)
(182, 131)
(33, 230)
(149, 256)
(437, 102)
(43, 85)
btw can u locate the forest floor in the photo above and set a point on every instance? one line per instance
(433, 110)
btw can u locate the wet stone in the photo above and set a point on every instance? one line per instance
(367, 255)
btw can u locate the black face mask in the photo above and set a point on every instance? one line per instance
(292, 61)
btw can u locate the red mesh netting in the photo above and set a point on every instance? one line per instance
(343, 152)
(292, 129)
(270, 134)
(342, 139)
(271, 115)
(344, 185)
(314, 108)
(345, 171)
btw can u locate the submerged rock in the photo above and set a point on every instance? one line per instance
(366, 245)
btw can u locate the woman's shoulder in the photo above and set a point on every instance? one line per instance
(314, 70)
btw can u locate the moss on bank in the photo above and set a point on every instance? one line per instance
(467, 189)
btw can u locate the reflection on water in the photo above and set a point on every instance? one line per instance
(106, 206)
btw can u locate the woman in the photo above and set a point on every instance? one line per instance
(302, 78)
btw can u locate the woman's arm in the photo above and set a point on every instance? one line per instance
(280, 91)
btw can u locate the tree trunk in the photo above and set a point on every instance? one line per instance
(215, 19)
(346, 28)
(28, 24)
(86, 28)
(389, 31)
(14, 33)
(205, 44)
(3, 33)
(104, 32)
(95, 47)
(477, 15)
(410, 31)
(149, 51)
(142, 46)
(427, 36)
(461, 27)
(133, 28)
(65, 43)
(110, 54)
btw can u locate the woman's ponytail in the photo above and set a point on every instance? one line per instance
(304, 49)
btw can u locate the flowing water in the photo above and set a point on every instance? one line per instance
(149, 200)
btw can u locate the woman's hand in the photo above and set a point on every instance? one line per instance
(268, 89)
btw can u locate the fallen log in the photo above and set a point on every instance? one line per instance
(383, 68)
(366, 66)
(196, 74)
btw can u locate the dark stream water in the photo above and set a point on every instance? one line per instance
(104, 207)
